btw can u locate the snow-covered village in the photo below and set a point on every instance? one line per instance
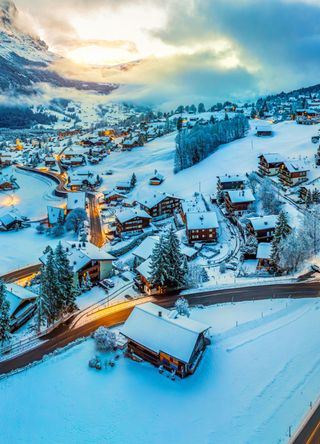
(159, 222)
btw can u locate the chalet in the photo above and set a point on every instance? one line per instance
(202, 227)
(264, 256)
(124, 186)
(55, 215)
(263, 130)
(113, 196)
(77, 182)
(238, 201)
(8, 183)
(131, 221)
(21, 302)
(262, 227)
(231, 182)
(49, 161)
(292, 173)
(310, 191)
(270, 164)
(195, 205)
(175, 343)
(133, 141)
(76, 200)
(86, 258)
(10, 221)
(6, 159)
(73, 161)
(156, 179)
(161, 205)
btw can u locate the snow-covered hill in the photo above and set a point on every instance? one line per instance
(25, 60)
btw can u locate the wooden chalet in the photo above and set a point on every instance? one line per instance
(270, 164)
(262, 227)
(6, 159)
(86, 258)
(113, 196)
(292, 173)
(10, 221)
(175, 343)
(201, 227)
(238, 201)
(124, 186)
(161, 205)
(264, 256)
(49, 161)
(7, 183)
(131, 221)
(264, 130)
(156, 179)
(231, 182)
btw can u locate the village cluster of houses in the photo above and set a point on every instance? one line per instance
(290, 172)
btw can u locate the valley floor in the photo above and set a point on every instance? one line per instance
(255, 380)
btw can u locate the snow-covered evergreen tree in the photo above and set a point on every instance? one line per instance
(49, 289)
(133, 180)
(4, 314)
(176, 273)
(75, 219)
(159, 264)
(282, 230)
(66, 294)
(269, 201)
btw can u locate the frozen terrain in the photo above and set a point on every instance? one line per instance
(254, 381)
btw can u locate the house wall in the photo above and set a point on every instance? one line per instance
(105, 269)
(203, 235)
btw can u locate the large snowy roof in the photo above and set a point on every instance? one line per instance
(193, 206)
(81, 253)
(144, 269)
(153, 199)
(126, 215)
(264, 127)
(196, 221)
(144, 250)
(232, 178)
(15, 295)
(176, 337)
(264, 250)
(76, 200)
(263, 222)
(273, 157)
(295, 166)
(238, 196)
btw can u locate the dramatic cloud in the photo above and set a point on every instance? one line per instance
(191, 50)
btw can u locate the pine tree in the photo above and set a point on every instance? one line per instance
(4, 314)
(204, 275)
(159, 266)
(282, 230)
(39, 315)
(176, 277)
(66, 294)
(133, 180)
(49, 289)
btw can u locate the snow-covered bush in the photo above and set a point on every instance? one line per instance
(105, 339)
(182, 307)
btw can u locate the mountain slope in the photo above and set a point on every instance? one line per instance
(25, 60)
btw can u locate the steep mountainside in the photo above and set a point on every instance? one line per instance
(25, 60)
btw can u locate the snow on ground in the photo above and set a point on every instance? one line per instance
(33, 196)
(241, 156)
(24, 247)
(254, 381)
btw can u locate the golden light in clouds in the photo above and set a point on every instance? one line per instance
(132, 24)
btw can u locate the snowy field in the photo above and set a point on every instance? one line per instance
(254, 381)
(241, 156)
(32, 198)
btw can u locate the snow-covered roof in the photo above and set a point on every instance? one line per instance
(76, 199)
(196, 205)
(80, 253)
(295, 166)
(238, 196)
(176, 337)
(264, 250)
(232, 178)
(144, 250)
(200, 221)
(263, 222)
(154, 199)
(157, 176)
(54, 213)
(8, 218)
(126, 215)
(264, 127)
(15, 295)
(273, 157)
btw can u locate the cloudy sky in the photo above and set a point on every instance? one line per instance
(189, 50)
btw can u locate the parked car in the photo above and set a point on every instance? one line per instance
(231, 267)
(109, 282)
